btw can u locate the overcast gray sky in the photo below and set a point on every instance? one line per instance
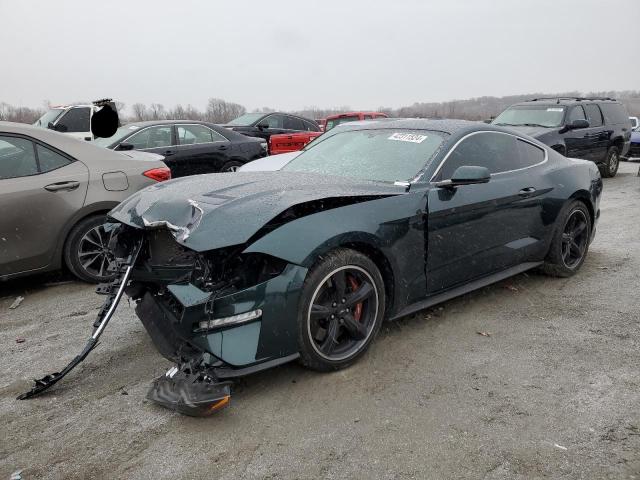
(292, 54)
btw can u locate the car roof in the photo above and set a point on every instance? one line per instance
(148, 123)
(79, 149)
(358, 112)
(441, 125)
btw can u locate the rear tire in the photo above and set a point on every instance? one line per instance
(341, 310)
(611, 163)
(570, 242)
(85, 251)
(231, 166)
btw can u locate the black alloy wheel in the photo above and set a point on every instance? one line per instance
(575, 239)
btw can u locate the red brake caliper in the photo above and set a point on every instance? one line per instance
(357, 311)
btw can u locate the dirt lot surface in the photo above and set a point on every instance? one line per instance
(553, 392)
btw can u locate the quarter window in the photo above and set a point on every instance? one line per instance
(593, 115)
(497, 152)
(50, 160)
(17, 158)
(152, 137)
(192, 134)
(75, 120)
(529, 154)
(577, 113)
(614, 113)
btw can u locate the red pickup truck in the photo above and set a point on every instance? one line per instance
(292, 142)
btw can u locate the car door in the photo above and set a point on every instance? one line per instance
(200, 150)
(476, 230)
(40, 190)
(597, 134)
(576, 141)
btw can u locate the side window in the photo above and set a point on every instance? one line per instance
(529, 154)
(496, 151)
(75, 120)
(368, 117)
(50, 160)
(152, 137)
(576, 113)
(274, 121)
(190, 134)
(310, 127)
(593, 115)
(293, 123)
(17, 158)
(614, 113)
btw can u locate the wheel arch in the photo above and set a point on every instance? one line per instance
(585, 198)
(99, 208)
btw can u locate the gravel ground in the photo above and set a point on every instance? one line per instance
(553, 392)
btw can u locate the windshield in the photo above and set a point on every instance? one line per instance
(337, 121)
(117, 137)
(49, 117)
(246, 119)
(531, 115)
(380, 155)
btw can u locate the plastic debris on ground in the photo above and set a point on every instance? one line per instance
(16, 303)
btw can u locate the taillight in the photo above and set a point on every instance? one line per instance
(159, 174)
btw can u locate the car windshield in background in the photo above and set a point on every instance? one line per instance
(337, 121)
(117, 137)
(379, 155)
(48, 117)
(531, 115)
(246, 119)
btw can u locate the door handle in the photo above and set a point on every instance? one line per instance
(527, 192)
(55, 187)
(168, 153)
(223, 147)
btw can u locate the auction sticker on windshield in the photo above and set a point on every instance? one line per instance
(408, 137)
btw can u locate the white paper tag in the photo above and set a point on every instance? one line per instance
(408, 137)
(554, 109)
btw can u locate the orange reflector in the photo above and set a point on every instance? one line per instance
(220, 404)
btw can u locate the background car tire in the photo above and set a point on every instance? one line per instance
(231, 166)
(76, 245)
(349, 261)
(556, 264)
(611, 164)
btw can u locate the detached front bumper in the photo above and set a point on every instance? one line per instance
(173, 320)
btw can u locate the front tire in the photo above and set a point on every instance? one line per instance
(570, 241)
(231, 166)
(341, 310)
(86, 252)
(611, 163)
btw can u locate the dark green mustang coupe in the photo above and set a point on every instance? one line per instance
(233, 273)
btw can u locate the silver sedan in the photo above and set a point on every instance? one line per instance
(55, 192)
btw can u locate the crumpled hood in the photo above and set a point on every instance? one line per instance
(206, 212)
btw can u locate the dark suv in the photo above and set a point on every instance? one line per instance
(263, 125)
(596, 129)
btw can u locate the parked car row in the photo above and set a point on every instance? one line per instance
(188, 147)
(55, 192)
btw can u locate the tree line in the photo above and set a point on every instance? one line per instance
(221, 111)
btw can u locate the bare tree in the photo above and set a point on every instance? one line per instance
(139, 112)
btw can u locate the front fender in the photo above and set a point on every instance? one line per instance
(393, 226)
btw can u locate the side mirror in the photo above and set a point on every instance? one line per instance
(263, 125)
(578, 123)
(51, 126)
(466, 175)
(124, 146)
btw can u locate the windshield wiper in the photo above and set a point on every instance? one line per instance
(534, 125)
